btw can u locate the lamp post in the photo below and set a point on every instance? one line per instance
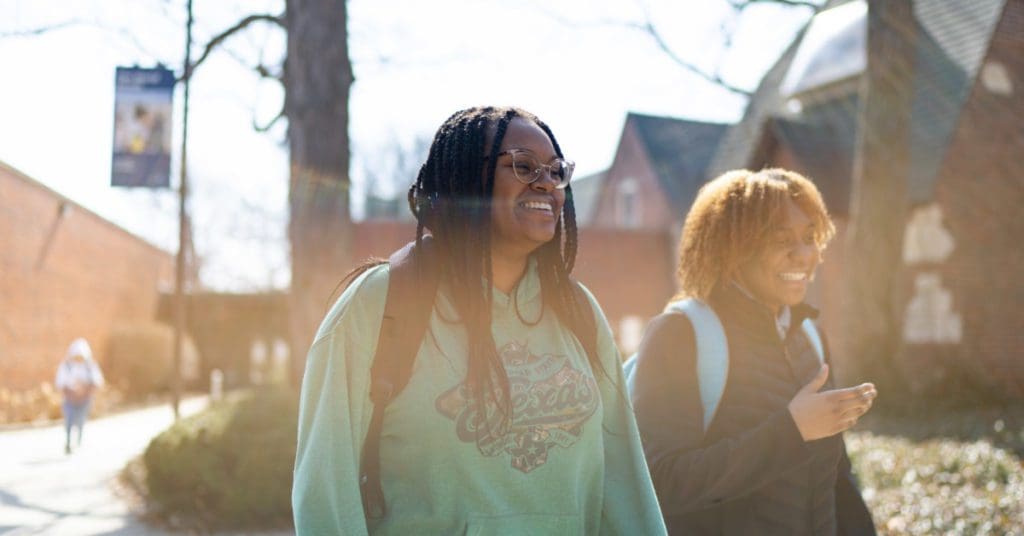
(183, 234)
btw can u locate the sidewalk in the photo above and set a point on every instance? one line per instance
(44, 491)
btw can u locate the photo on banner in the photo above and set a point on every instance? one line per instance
(142, 127)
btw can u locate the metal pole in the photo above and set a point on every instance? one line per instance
(179, 277)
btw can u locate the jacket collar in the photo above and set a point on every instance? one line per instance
(730, 300)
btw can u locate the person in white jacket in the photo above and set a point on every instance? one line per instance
(78, 378)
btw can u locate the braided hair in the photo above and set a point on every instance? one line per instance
(451, 197)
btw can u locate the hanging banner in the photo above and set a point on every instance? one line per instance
(142, 127)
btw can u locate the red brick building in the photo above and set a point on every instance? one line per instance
(64, 273)
(658, 167)
(980, 191)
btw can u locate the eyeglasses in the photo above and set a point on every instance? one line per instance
(527, 168)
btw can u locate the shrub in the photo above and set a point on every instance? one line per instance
(230, 466)
(139, 358)
(40, 403)
(43, 403)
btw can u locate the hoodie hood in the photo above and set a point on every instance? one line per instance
(79, 347)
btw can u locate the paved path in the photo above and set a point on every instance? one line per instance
(44, 491)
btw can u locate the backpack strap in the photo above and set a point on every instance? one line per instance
(412, 289)
(712, 353)
(629, 371)
(586, 327)
(811, 331)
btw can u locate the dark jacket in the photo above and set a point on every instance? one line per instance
(752, 473)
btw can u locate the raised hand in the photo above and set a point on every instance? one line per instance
(828, 413)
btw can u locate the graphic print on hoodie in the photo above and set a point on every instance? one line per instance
(551, 402)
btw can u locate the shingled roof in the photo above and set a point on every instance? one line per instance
(741, 142)
(951, 45)
(680, 151)
(822, 141)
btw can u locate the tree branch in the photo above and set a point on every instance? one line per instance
(268, 126)
(125, 33)
(265, 72)
(221, 37)
(648, 28)
(741, 5)
(714, 78)
(43, 29)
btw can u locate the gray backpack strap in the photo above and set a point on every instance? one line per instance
(811, 331)
(629, 371)
(712, 353)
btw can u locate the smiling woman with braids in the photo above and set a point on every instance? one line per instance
(514, 418)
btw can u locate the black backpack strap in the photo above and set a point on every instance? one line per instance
(412, 288)
(586, 327)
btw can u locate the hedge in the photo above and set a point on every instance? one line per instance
(229, 466)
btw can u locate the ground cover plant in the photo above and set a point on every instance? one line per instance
(949, 471)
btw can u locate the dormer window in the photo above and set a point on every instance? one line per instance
(627, 209)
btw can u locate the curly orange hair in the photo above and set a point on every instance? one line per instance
(730, 221)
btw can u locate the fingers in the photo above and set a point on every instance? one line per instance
(849, 410)
(864, 390)
(818, 381)
(858, 404)
(854, 412)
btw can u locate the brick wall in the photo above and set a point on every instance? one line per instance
(981, 190)
(65, 273)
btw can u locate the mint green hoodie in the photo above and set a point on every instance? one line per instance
(571, 462)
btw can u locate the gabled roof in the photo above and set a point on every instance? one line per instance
(679, 151)
(585, 192)
(953, 41)
(741, 141)
(833, 48)
(822, 142)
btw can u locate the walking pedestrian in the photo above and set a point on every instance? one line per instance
(766, 455)
(78, 378)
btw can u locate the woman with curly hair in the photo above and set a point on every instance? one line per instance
(769, 458)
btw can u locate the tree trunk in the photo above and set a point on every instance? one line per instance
(318, 77)
(872, 309)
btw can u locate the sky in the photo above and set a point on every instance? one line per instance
(575, 63)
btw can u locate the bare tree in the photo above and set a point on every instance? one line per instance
(317, 79)
(389, 169)
(649, 27)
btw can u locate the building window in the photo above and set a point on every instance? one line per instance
(925, 239)
(996, 78)
(930, 317)
(631, 330)
(627, 211)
